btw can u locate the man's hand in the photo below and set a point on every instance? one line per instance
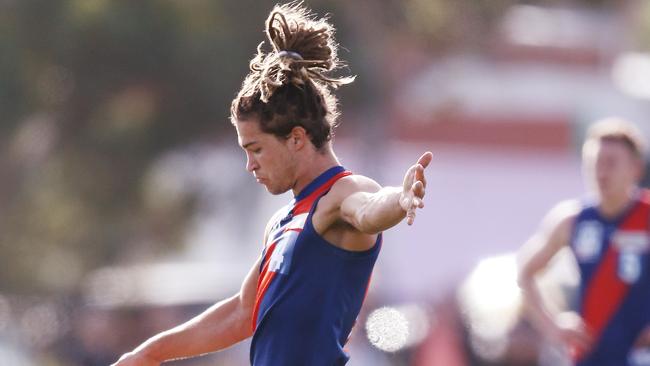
(136, 359)
(643, 341)
(571, 330)
(414, 187)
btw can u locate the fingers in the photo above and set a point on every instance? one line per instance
(643, 340)
(574, 332)
(414, 186)
(582, 339)
(414, 201)
(419, 174)
(410, 216)
(418, 189)
(422, 163)
(425, 159)
(414, 174)
(414, 204)
(578, 341)
(416, 171)
(409, 177)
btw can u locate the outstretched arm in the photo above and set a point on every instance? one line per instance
(371, 209)
(220, 326)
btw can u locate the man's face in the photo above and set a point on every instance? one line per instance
(269, 158)
(611, 168)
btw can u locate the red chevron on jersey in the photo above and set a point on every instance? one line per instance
(263, 283)
(305, 204)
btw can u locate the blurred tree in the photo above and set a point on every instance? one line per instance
(92, 92)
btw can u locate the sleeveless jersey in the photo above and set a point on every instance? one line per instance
(613, 258)
(309, 291)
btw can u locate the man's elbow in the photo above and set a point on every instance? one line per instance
(246, 326)
(244, 320)
(373, 224)
(366, 226)
(525, 279)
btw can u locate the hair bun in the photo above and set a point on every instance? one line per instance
(290, 62)
(304, 51)
(290, 54)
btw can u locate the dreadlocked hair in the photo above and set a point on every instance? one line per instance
(289, 86)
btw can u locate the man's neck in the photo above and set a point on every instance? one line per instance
(313, 166)
(614, 206)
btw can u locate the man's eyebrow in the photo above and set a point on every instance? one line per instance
(246, 145)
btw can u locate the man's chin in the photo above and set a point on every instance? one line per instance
(274, 190)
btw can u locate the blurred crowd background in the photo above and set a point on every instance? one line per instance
(125, 207)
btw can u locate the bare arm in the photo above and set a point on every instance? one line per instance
(220, 326)
(553, 235)
(371, 209)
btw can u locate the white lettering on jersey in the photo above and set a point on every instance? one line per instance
(631, 245)
(629, 267)
(285, 238)
(588, 242)
(630, 241)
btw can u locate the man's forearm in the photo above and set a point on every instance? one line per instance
(379, 211)
(538, 313)
(219, 327)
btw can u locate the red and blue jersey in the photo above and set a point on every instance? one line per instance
(309, 292)
(613, 257)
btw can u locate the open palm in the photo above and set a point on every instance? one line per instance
(414, 187)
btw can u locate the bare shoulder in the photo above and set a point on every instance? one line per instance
(557, 225)
(553, 234)
(562, 214)
(345, 187)
(352, 184)
(328, 219)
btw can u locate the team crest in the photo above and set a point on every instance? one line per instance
(285, 238)
(589, 240)
(631, 245)
(629, 267)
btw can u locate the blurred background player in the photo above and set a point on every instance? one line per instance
(608, 236)
(300, 300)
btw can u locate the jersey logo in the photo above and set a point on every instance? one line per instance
(629, 267)
(631, 241)
(285, 238)
(589, 241)
(631, 246)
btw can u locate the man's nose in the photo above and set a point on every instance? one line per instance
(251, 163)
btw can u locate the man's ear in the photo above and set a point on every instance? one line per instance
(298, 138)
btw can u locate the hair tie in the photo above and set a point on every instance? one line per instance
(290, 54)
